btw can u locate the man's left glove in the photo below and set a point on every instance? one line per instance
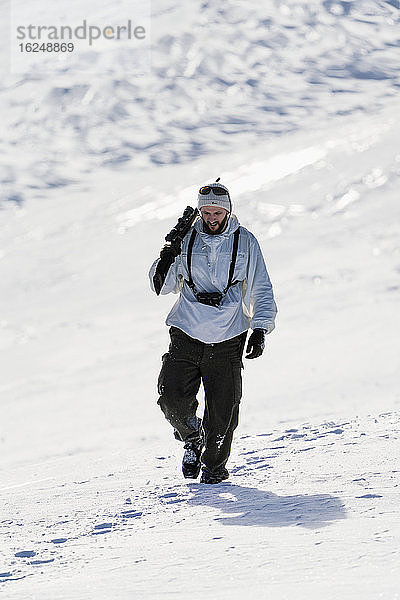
(255, 345)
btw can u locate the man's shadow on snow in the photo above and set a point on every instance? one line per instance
(251, 506)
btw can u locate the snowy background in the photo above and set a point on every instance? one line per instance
(295, 105)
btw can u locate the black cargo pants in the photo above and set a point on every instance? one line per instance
(186, 364)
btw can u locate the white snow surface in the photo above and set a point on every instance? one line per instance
(295, 106)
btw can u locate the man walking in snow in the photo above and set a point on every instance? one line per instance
(224, 289)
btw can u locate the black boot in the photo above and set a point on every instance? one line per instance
(191, 462)
(214, 476)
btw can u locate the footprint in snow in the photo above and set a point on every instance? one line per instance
(292, 436)
(237, 469)
(335, 431)
(9, 577)
(369, 496)
(172, 498)
(25, 554)
(102, 528)
(256, 459)
(130, 514)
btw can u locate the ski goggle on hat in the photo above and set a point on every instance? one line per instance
(217, 190)
(214, 194)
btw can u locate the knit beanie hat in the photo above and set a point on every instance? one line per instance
(206, 197)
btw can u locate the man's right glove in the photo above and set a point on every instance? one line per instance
(255, 345)
(167, 257)
(170, 251)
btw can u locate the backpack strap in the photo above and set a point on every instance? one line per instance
(233, 259)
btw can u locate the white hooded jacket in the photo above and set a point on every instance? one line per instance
(248, 303)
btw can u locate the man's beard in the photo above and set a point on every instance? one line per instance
(219, 229)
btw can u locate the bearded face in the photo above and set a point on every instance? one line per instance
(214, 219)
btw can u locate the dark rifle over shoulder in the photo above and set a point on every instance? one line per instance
(173, 247)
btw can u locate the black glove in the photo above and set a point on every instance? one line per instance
(255, 345)
(170, 251)
(167, 257)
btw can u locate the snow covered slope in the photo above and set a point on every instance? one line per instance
(309, 512)
(237, 70)
(94, 505)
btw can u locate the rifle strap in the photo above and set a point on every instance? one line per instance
(189, 259)
(233, 259)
